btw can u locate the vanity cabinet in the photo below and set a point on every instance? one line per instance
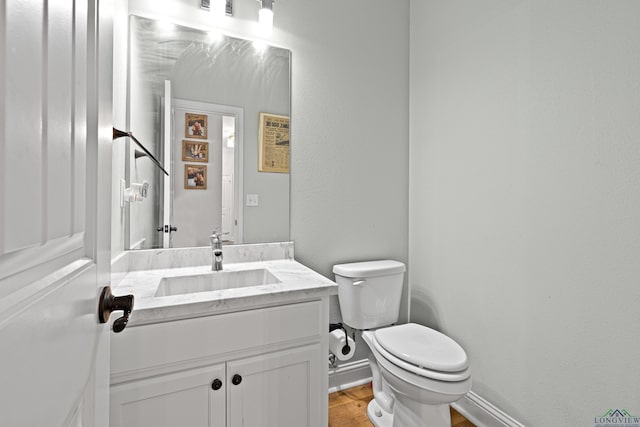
(255, 368)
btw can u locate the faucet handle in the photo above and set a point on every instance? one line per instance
(216, 235)
(214, 238)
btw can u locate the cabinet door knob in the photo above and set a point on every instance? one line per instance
(237, 379)
(216, 384)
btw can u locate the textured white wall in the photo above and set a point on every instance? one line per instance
(525, 198)
(349, 187)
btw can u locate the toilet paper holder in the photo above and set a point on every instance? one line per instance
(332, 327)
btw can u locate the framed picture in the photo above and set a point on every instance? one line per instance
(195, 177)
(195, 126)
(273, 137)
(195, 151)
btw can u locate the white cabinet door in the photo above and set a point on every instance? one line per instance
(280, 389)
(184, 399)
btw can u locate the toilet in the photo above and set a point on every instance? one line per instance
(416, 371)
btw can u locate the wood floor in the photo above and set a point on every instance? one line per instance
(348, 408)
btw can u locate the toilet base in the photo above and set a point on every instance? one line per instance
(377, 416)
(437, 415)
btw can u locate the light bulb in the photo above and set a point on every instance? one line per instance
(219, 7)
(265, 22)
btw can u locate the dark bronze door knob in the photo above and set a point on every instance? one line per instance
(109, 303)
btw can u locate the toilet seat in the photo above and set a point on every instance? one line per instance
(423, 351)
(426, 373)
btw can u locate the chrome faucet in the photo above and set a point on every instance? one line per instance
(216, 252)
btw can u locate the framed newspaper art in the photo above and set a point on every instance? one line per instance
(273, 137)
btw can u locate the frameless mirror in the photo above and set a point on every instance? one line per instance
(198, 101)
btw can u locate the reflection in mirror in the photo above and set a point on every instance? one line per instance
(195, 97)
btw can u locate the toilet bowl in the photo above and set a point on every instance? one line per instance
(416, 371)
(420, 396)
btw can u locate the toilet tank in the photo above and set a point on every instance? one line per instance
(369, 292)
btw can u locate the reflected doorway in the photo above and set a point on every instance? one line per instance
(205, 159)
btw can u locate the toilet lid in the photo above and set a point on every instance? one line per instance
(422, 346)
(369, 268)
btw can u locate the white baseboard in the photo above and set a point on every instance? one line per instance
(482, 413)
(347, 375)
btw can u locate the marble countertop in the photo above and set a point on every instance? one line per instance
(298, 283)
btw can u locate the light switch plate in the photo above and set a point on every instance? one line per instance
(253, 200)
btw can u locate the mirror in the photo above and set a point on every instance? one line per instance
(195, 99)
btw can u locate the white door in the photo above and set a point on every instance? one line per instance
(196, 209)
(167, 193)
(55, 167)
(227, 208)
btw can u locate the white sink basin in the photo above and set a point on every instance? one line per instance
(215, 281)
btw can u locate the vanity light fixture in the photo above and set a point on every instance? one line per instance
(223, 7)
(265, 18)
